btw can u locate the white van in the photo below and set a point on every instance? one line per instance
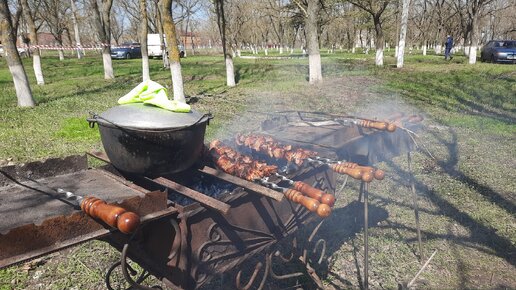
(154, 46)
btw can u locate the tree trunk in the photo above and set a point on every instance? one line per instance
(143, 40)
(21, 82)
(314, 56)
(221, 22)
(34, 41)
(403, 33)
(425, 44)
(173, 52)
(103, 26)
(379, 41)
(474, 40)
(80, 52)
(161, 38)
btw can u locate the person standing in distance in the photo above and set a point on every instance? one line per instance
(448, 47)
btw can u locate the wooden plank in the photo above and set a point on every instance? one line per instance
(253, 187)
(195, 195)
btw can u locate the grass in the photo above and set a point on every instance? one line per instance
(466, 193)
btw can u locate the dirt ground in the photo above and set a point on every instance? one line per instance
(466, 205)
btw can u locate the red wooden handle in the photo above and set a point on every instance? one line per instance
(353, 172)
(377, 173)
(314, 193)
(323, 210)
(113, 215)
(384, 126)
(296, 196)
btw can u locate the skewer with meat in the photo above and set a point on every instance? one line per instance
(245, 167)
(269, 146)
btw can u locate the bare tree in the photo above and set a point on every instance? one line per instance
(173, 52)
(34, 41)
(54, 13)
(375, 8)
(143, 40)
(221, 22)
(80, 52)
(403, 33)
(102, 22)
(8, 37)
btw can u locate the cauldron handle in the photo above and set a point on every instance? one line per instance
(92, 120)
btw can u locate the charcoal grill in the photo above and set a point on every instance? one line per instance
(187, 237)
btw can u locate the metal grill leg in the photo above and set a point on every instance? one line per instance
(416, 208)
(366, 227)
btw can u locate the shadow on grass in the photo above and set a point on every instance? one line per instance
(481, 235)
(83, 92)
(463, 92)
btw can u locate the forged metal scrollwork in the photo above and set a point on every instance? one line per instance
(308, 254)
(221, 251)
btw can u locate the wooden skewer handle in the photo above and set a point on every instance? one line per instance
(377, 173)
(356, 173)
(297, 197)
(384, 126)
(314, 193)
(113, 215)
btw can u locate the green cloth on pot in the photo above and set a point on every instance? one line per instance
(152, 93)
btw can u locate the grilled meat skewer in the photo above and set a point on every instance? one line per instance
(245, 167)
(272, 148)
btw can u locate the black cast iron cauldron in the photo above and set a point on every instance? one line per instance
(147, 140)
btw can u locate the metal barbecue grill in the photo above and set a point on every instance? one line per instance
(195, 224)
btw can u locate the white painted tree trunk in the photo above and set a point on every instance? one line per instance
(266, 51)
(403, 33)
(312, 41)
(230, 72)
(353, 50)
(36, 57)
(379, 57)
(108, 66)
(61, 55)
(143, 39)
(177, 82)
(472, 54)
(281, 49)
(396, 50)
(424, 47)
(315, 70)
(438, 49)
(76, 30)
(36, 64)
(21, 85)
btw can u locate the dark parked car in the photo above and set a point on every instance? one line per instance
(126, 51)
(499, 51)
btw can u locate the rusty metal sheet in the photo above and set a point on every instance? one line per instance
(30, 241)
(21, 205)
(33, 223)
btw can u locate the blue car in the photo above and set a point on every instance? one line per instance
(503, 51)
(126, 51)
